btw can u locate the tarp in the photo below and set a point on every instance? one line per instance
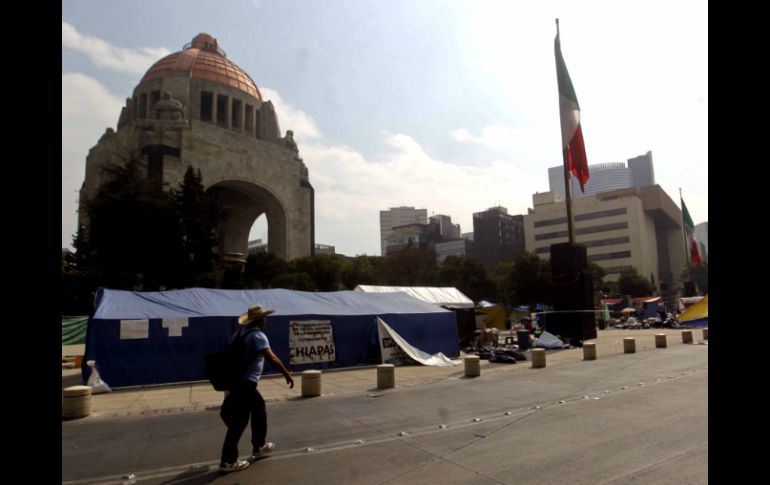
(139, 338)
(687, 301)
(548, 341)
(448, 297)
(390, 340)
(697, 315)
(73, 330)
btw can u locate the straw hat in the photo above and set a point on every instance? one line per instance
(254, 313)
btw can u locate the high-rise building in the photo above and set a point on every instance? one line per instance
(606, 176)
(446, 230)
(638, 227)
(497, 236)
(399, 216)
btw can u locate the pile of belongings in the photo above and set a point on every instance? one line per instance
(503, 356)
(549, 341)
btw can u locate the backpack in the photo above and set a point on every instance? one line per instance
(225, 368)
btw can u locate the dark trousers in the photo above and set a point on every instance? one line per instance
(243, 402)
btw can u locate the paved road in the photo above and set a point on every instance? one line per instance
(648, 425)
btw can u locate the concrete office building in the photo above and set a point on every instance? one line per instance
(606, 176)
(497, 236)
(458, 247)
(638, 227)
(399, 216)
(446, 230)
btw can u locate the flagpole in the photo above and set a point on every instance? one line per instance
(684, 236)
(567, 185)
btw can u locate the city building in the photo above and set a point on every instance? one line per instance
(497, 236)
(638, 227)
(606, 176)
(458, 247)
(416, 236)
(324, 249)
(399, 216)
(446, 230)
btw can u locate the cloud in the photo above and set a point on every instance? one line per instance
(351, 190)
(107, 56)
(88, 108)
(291, 118)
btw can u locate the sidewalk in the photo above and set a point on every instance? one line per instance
(359, 380)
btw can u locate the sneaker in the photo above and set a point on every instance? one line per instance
(233, 467)
(258, 453)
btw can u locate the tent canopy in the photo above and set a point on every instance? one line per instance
(139, 338)
(697, 314)
(448, 297)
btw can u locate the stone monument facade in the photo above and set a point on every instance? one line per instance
(195, 107)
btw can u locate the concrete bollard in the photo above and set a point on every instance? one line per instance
(311, 383)
(629, 345)
(660, 341)
(706, 333)
(77, 402)
(386, 376)
(472, 366)
(686, 336)
(589, 351)
(538, 358)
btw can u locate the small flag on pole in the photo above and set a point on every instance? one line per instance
(571, 131)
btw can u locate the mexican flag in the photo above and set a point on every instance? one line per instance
(571, 133)
(689, 231)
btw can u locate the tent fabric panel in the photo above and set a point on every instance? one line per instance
(449, 297)
(204, 302)
(73, 330)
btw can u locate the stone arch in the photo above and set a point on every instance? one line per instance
(244, 202)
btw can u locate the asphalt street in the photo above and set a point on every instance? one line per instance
(634, 418)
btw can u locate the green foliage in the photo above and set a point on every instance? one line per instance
(360, 271)
(134, 236)
(697, 274)
(634, 284)
(293, 281)
(409, 267)
(262, 268)
(529, 281)
(466, 274)
(324, 270)
(197, 217)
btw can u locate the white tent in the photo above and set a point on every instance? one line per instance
(448, 297)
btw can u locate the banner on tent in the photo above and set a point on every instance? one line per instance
(397, 350)
(310, 342)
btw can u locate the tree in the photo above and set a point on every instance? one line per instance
(409, 267)
(293, 281)
(359, 271)
(134, 232)
(324, 270)
(634, 284)
(698, 274)
(530, 279)
(467, 275)
(262, 268)
(197, 218)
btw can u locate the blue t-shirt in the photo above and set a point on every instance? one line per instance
(255, 342)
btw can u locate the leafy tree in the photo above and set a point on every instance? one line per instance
(634, 284)
(134, 234)
(530, 280)
(324, 270)
(359, 271)
(597, 274)
(699, 275)
(409, 267)
(466, 274)
(293, 281)
(197, 217)
(262, 268)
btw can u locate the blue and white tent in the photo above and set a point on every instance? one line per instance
(145, 338)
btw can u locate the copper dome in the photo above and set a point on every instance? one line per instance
(205, 60)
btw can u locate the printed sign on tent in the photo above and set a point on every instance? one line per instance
(311, 341)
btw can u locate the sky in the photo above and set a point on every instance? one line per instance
(451, 106)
